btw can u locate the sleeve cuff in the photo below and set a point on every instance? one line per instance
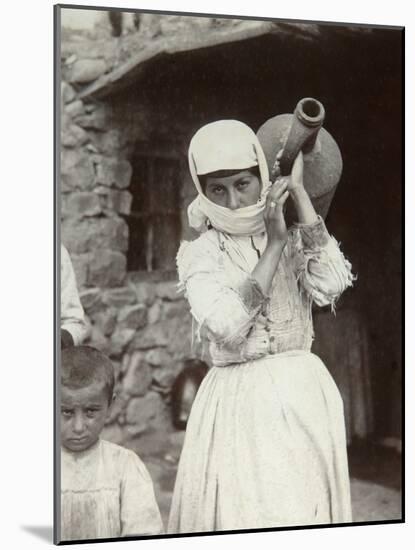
(315, 234)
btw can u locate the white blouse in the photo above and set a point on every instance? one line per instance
(106, 492)
(234, 317)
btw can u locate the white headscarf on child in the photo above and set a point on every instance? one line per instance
(226, 145)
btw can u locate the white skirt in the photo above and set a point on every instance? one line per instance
(265, 446)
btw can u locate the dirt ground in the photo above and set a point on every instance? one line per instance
(375, 477)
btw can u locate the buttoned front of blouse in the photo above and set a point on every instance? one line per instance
(232, 313)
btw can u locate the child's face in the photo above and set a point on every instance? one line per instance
(236, 191)
(83, 414)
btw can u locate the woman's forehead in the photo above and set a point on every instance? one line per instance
(228, 178)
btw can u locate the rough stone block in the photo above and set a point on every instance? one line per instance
(168, 291)
(73, 136)
(91, 300)
(154, 313)
(86, 70)
(77, 170)
(112, 172)
(157, 357)
(113, 200)
(107, 269)
(75, 109)
(151, 336)
(138, 378)
(80, 265)
(133, 316)
(164, 378)
(120, 339)
(106, 320)
(119, 297)
(81, 204)
(98, 340)
(135, 430)
(125, 361)
(93, 47)
(110, 142)
(117, 375)
(179, 309)
(120, 201)
(141, 410)
(145, 291)
(92, 234)
(113, 433)
(118, 406)
(68, 94)
(178, 332)
(94, 119)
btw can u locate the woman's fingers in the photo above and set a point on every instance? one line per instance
(285, 197)
(279, 187)
(274, 208)
(280, 201)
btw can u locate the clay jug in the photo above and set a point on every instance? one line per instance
(322, 158)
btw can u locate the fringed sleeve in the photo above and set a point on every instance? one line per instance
(224, 309)
(321, 269)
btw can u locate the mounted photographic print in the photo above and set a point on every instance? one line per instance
(229, 199)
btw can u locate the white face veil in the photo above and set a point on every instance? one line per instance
(226, 145)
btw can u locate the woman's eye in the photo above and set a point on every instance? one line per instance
(217, 190)
(91, 412)
(66, 413)
(242, 184)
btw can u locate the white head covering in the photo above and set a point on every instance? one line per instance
(226, 145)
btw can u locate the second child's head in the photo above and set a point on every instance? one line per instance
(87, 386)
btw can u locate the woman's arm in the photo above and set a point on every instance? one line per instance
(304, 207)
(277, 235)
(321, 267)
(322, 270)
(224, 303)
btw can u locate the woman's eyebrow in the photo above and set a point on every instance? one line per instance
(214, 184)
(242, 178)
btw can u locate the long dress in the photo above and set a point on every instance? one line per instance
(265, 443)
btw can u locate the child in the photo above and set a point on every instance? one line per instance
(106, 490)
(73, 326)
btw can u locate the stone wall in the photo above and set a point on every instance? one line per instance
(140, 322)
(143, 325)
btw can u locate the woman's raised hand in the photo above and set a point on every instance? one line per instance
(274, 214)
(295, 179)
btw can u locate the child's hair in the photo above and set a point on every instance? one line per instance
(84, 365)
(225, 173)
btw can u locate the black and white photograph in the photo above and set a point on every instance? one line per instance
(229, 205)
